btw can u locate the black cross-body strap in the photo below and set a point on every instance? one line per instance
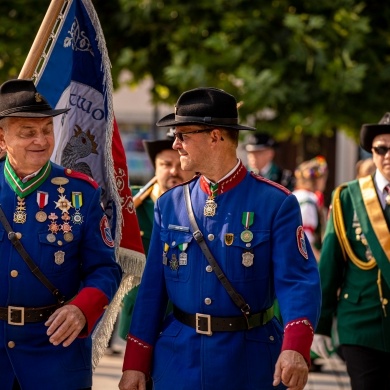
(234, 295)
(12, 236)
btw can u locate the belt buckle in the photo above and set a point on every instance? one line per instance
(198, 316)
(12, 309)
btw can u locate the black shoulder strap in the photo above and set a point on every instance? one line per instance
(12, 236)
(237, 298)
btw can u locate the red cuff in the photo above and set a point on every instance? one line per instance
(298, 336)
(138, 355)
(92, 302)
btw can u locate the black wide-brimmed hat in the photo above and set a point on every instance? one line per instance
(205, 106)
(369, 131)
(19, 98)
(153, 148)
(260, 141)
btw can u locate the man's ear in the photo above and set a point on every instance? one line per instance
(216, 135)
(2, 140)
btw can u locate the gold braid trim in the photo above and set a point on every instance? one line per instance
(341, 234)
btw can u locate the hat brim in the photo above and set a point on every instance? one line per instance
(369, 131)
(258, 148)
(34, 114)
(153, 148)
(169, 120)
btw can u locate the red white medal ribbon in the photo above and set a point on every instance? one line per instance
(42, 199)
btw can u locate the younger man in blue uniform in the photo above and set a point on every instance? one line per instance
(253, 228)
(46, 319)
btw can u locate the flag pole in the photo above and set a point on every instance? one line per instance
(41, 39)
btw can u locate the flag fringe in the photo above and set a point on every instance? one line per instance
(104, 329)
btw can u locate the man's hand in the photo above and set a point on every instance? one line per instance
(322, 346)
(65, 324)
(132, 380)
(291, 369)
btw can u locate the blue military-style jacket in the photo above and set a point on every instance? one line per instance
(63, 228)
(282, 266)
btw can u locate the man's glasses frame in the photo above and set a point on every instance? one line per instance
(381, 150)
(180, 137)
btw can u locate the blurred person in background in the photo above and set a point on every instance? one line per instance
(365, 167)
(261, 149)
(310, 182)
(168, 173)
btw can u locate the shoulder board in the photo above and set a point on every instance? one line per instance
(82, 176)
(272, 183)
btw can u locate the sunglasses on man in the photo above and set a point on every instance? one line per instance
(381, 150)
(180, 136)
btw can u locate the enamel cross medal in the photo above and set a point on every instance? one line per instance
(210, 206)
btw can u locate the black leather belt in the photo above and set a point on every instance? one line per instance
(206, 324)
(16, 315)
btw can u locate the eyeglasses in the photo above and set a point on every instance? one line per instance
(180, 136)
(381, 150)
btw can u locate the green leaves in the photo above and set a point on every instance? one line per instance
(315, 66)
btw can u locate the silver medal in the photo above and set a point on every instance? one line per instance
(247, 259)
(59, 257)
(51, 237)
(183, 258)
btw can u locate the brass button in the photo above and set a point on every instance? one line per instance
(209, 268)
(207, 301)
(346, 295)
(210, 237)
(11, 344)
(173, 244)
(142, 233)
(59, 242)
(271, 338)
(14, 273)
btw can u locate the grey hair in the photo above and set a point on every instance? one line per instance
(4, 123)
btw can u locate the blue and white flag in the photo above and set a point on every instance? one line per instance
(74, 71)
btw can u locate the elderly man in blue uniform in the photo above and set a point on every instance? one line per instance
(57, 269)
(223, 247)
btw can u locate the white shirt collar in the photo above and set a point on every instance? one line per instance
(228, 174)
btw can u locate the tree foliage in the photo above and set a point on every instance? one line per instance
(299, 66)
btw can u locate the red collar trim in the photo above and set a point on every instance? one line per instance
(227, 184)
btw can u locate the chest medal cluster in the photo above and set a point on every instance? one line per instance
(62, 223)
(177, 260)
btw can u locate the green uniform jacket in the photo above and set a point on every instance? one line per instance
(145, 220)
(349, 293)
(281, 176)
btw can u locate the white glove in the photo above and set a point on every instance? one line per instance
(322, 346)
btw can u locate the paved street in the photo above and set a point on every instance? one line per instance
(333, 377)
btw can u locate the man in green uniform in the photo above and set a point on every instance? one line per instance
(355, 268)
(168, 174)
